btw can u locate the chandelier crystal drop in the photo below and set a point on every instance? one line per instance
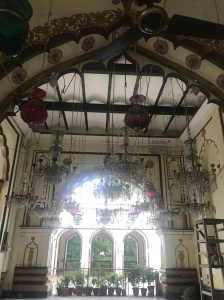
(196, 209)
(53, 222)
(125, 168)
(54, 171)
(112, 189)
(77, 218)
(43, 212)
(170, 214)
(25, 196)
(105, 216)
(155, 222)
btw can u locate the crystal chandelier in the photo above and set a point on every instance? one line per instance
(43, 212)
(144, 206)
(54, 171)
(170, 214)
(53, 222)
(133, 214)
(155, 223)
(25, 196)
(123, 167)
(194, 181)
(77, 218)
(196, 209)
(105, 216)
(112, 189)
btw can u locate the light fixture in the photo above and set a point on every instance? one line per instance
(105, 216)
(54, 80)
(53, 222)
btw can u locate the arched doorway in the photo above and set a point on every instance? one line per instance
(102, 252)
(73, 252)
(130, 252)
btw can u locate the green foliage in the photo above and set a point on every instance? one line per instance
(119, 281)
(102, 282)
(73, 248)
(111, 279)
(59, 283)
(102, 245)
(149, 275)
(78, 278)
(65, 281)
(94, 282)
(134, 276)
(130, 249)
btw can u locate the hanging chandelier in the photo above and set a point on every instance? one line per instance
(25, 197)
(196, 209)
(77, 218)
(123, 167)
(112, 189)
(53, 222)
(105, 216)
(43, 212)
(133, 214)
(195, 181)
(170, 214)
(54, 171)
(155, 223)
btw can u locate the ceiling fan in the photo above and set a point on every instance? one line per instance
(152, 20)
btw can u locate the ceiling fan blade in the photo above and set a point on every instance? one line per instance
(131, 36)
(181, 25)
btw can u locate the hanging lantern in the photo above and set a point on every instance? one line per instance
(34, 112)
(137, 117)
(14, 27)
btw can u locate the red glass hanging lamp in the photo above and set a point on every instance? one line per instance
(34, 112)
(137, 117)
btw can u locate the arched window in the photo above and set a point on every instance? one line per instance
(73, 252)
(130, 252)
(102, 252)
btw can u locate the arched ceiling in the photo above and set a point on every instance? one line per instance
(71, 23)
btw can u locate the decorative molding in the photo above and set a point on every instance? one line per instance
(182, 255)
(31, 254)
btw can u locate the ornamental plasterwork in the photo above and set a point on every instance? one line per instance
(104, 20)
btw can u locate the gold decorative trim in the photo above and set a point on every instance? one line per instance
(15, 14)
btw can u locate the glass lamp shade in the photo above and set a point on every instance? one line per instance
(57, 138)
(14, 27)
(191, 154)
(34, 112)
(137, 118)
(37, 93)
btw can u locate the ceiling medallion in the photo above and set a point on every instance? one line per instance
(88, 43)
(19, 75)
(161, 47)
(193, 61)
(55, 56)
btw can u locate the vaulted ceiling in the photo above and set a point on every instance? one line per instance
(89, 93)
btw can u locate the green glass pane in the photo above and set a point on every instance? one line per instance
(22, 7)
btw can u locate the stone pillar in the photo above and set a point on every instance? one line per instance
(178, 264)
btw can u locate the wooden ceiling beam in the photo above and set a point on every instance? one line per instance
(117, 109)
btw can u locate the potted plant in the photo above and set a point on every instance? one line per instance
(95, 288)
(58, 286)
(117, 284)
(103, 287)
(88, 287)
(123, 284)
(111, 278)
(192, 293)
(143, 281)
(150, 277)
(134, 277)
(65, 283)
(79, 282)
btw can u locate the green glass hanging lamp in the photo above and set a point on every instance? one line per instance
(14, 27)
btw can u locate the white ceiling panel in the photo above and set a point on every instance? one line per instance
(154, 85)
(72, 86)
(96, 87)
(172, 92)
(118, 89)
